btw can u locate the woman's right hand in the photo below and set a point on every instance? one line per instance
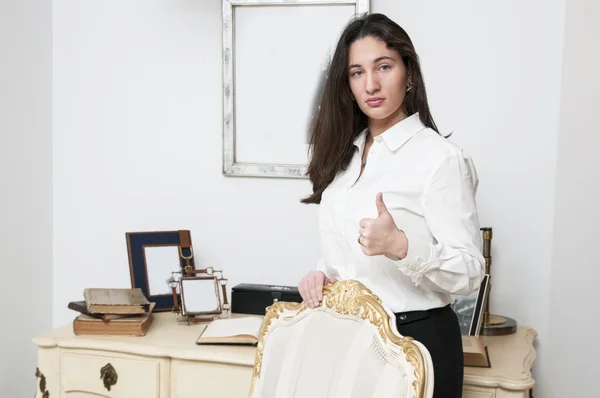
(311, 288)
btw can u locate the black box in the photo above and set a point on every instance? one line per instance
(249, 298)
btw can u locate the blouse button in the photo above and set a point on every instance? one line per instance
(402, 317)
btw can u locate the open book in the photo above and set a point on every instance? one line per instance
(243, 331)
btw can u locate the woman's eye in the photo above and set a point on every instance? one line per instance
(357, 73)
(384, 67)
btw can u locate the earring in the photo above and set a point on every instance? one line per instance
(409, 86)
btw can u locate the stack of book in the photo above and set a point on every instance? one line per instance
(112, 312)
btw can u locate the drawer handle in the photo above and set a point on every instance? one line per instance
(42, 385)
(109, 376)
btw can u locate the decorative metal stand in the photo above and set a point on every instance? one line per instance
(493, 325)
(224, 309)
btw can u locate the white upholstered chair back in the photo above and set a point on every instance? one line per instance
(348, 347)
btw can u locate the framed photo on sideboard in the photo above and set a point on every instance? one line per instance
(469, 309)
(155, 258)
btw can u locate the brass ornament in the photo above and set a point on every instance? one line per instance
(350, 297)
(42, 383)
(109, 376)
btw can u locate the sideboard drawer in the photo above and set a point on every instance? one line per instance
(109, 376)
(190, 379)
(478, 392)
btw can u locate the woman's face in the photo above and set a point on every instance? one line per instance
(377, 79)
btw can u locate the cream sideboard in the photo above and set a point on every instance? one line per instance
(166, 363)
(512, 358)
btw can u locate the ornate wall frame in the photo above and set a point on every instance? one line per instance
(244, 104)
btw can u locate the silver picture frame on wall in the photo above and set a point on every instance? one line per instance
(275, 60)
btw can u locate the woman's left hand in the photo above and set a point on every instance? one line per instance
(381, 236)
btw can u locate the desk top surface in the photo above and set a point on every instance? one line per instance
(165, 338)
(511, 356)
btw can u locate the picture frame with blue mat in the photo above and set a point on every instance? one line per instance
(154, 258)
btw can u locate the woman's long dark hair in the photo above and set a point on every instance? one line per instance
(340, 120)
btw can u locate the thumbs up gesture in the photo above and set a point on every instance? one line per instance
(381, 236)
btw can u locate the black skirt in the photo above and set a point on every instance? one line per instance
(439, 331)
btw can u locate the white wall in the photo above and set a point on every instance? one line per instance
(25, 188)
(572, 343)
(137, 145)
(493, 76)
(137, 142)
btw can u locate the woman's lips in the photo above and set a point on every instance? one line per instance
(374, 102)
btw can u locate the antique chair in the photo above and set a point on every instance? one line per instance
(347, 347)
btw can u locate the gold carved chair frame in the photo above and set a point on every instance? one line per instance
(352, 298)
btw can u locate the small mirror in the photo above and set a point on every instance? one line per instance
(200, 296)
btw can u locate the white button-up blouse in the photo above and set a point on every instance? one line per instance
(429, 188)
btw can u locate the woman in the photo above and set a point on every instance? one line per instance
(397, 200)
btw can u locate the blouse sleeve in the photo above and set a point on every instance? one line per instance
(453, 263)
(321, 266)
(328, 271)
